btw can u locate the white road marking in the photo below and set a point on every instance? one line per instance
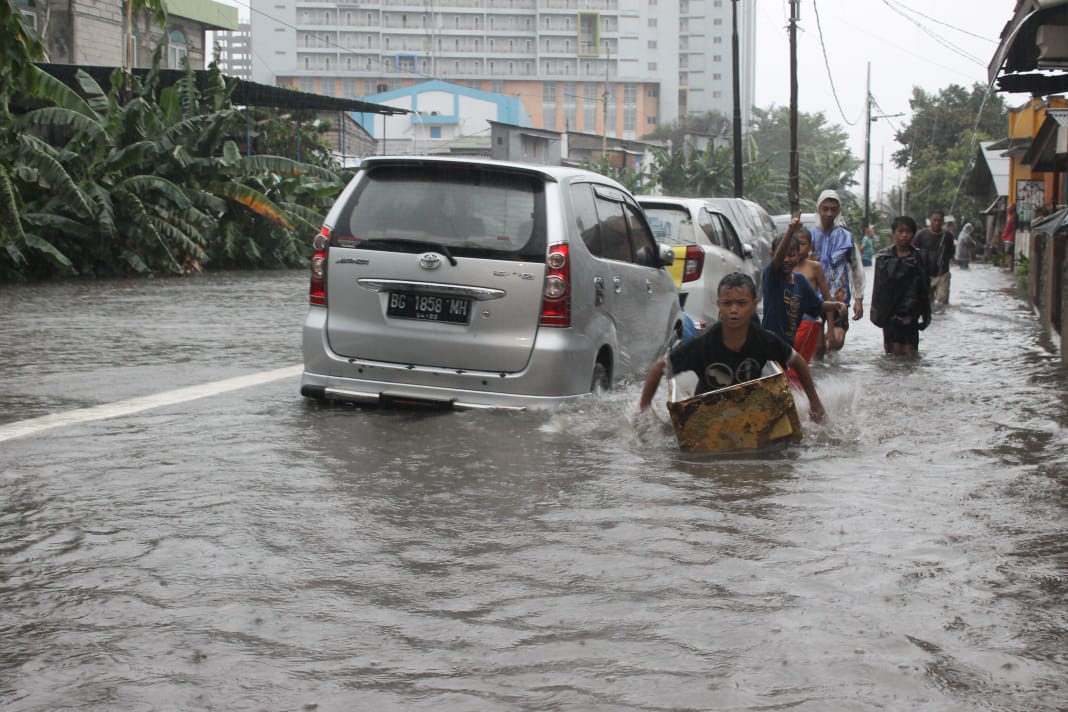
(22, 428)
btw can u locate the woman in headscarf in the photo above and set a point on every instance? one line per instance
(965, 246)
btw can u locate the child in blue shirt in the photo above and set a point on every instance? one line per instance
(788, 299)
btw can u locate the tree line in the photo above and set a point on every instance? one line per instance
(939, 144)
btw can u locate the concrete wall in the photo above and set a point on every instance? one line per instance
(1047, 279)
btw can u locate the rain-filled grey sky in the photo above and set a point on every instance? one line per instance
(908, 43)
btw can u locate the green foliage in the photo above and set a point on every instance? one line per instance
(939, 143)
(824, 161)
(1023, 267)
(91, 186)
(297, 135)
(631, 179)
(19, 49)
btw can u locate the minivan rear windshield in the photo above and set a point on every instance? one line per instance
(467, 210)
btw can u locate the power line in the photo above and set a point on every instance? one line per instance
(932, 34)
(827, 64)
(944, 23)
(889, 119)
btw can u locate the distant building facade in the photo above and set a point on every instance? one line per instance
(234, 51)
(93, 32)
(615, 67)
(441, 113)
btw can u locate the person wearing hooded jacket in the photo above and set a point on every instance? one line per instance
(837, 252)
(901, 295)
(965, 246)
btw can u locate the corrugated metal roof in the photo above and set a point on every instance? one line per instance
(246, 93)
(997, 164)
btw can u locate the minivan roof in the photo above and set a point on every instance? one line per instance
(554, 173)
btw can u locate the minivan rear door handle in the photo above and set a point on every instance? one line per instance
(598, 291)
(617, 284)
(649, 286)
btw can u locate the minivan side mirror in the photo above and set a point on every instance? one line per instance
(667, 254)
(747, 251)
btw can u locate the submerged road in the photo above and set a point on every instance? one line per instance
(179, 530)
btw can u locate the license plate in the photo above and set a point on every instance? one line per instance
(429, 307)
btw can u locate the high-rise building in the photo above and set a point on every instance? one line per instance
(234, 51)
(575, 64)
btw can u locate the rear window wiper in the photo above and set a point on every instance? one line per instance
(421, 244)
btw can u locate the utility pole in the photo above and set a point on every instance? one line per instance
(739, 188)
(795, 159)
(604, 101)
(867, 154)
(868, 101)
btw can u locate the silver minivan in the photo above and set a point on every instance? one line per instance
(465, 283)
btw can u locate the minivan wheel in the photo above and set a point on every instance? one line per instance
(601, 382)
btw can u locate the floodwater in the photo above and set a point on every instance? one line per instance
(247, 551)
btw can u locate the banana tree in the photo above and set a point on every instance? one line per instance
(95, 186)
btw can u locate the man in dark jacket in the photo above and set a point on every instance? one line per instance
(939, 246)
(900, 300)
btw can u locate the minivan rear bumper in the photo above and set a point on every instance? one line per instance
(556, 373)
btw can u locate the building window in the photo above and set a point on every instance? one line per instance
(588, 34)
(435, 132)
(652, 22)
(177, 50)
(717, 40)
(652, 66)
(652, 44)
(133, 48)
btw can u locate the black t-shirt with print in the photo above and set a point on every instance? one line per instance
(717, 366)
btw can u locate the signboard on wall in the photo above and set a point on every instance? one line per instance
(1030, 194)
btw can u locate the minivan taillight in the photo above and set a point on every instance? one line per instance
(695, 262)
(556, 300)
(317, 290)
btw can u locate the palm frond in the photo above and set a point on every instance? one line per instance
(10, 225)
(142, 185)
(146, 228)
(58, 117)
(306, 218)
(53, 223)
(254, 200)
(96, 97)
(103, 209)
(47, 249)
(284, 166)
(55, 91)
(140, 154)
(51, 173)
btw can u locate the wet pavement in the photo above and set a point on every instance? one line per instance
(243, 550)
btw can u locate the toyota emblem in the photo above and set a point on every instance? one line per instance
(430, 260)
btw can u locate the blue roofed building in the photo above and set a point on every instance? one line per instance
(441, 115)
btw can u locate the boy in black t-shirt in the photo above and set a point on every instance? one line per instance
(734, 350)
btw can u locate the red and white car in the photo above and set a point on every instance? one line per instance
(706, 246)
